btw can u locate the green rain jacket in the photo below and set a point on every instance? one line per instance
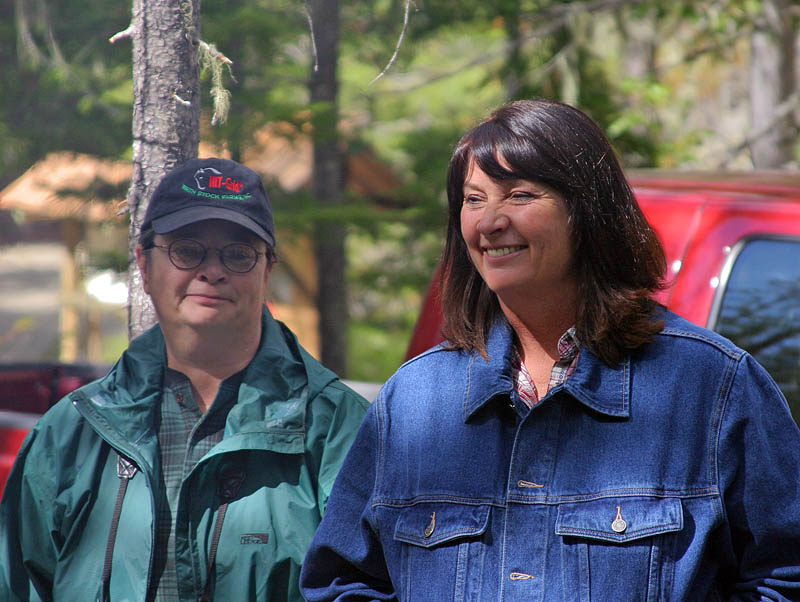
(290, 430)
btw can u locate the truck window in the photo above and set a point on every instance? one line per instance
(760, 309)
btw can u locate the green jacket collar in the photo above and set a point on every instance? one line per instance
(269, 413)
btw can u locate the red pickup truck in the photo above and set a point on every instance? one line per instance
(27, 390)
(732, 243)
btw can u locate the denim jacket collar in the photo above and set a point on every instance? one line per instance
(598, 386)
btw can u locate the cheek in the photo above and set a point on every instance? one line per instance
(468, 226)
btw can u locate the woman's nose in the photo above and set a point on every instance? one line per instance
(493, 219)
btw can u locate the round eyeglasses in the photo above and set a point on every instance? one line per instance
(187, 254)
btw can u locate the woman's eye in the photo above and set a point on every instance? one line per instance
(521, 195)
(472, 200)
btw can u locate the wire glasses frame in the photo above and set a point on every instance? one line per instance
(186, 254)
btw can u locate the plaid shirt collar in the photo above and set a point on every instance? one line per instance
(568, 351)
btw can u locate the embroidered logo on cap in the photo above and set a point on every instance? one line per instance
(208, 177)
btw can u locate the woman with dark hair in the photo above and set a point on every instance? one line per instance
(572, 439)
(616, 259)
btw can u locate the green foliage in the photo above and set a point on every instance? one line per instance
(60, 84)
(110, 259)
(267, 42)
(457, 62)
(374, 351)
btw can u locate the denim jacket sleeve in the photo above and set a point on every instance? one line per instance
(758, 461)
(345, 560)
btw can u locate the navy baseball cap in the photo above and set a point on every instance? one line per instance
(202, 189)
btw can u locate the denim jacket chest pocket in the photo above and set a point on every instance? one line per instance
(442, 539)
(619, 548)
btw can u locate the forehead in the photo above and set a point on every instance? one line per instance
(215, 231)
(503, 176)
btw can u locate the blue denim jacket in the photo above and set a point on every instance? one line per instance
(673, 476)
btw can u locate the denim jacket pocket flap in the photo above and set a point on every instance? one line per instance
(620, 519)
(431, 524)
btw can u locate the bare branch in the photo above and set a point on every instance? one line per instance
(560, 15)
(52, 43)
(781, 111)
(25, 42)
(566, 10)
(313, 39)
(28, 47)
(181, 101)
(125, 34)
(397, 47)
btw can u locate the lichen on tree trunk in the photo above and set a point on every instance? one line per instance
(166, 114)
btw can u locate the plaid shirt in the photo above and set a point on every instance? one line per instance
(565, 365)
(185, 435)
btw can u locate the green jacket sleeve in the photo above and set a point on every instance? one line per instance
(27, 549)
(333, 421)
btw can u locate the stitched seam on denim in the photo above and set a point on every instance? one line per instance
(504, 547)
(576, 498)
(731, 351)
(723, 402)
(460, 573)
(577, 393)
(629, 535)
(417, 501)
(626, 379)
(469, 386)
(380, 408)
(411, 538)
(653, 594)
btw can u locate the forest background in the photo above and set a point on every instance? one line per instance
(679, 85)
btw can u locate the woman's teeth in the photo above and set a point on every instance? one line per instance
(500, 251)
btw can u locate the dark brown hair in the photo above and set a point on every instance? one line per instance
(618, 259)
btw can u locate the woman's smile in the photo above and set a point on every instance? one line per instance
(503, 251)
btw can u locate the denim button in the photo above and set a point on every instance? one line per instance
(515, 576)
(619, 525)
(431, 526)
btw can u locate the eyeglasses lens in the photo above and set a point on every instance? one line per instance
(239, 257)
(188, 254)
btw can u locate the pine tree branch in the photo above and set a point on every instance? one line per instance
(313, 38)
(397, 47)
(781, 111)
(559, 16)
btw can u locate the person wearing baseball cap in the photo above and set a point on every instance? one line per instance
(199, 467)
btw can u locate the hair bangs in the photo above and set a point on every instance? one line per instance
(503, 154)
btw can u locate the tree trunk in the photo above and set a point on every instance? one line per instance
(166, 116)
(328, 187)
(772, 84)
(514, 67)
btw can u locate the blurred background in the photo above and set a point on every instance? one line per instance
(698, 85)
